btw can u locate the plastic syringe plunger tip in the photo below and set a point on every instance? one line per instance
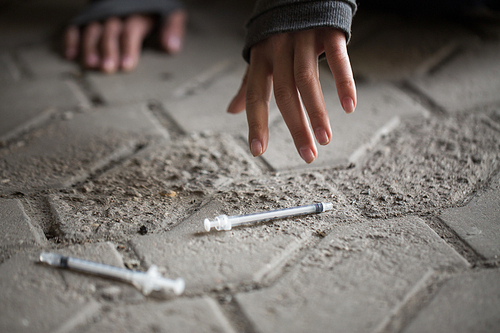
(53, 259)
(179, 286)
(327, 206)
(221, 222)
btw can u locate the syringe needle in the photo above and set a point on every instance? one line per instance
(224, 222)
(145, 281)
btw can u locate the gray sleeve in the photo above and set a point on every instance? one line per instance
(276, 16)
(100, 10)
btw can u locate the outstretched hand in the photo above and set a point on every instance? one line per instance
(116, 43)
(289, 63)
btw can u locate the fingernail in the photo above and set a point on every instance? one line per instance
(256, 147)
(322, 137)
(307, 155)
(174, 44)
(127, 63)
(348, 104)
(108, 65)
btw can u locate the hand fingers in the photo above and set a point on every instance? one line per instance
(172, 32)
(338, 60)
(288, 101)
(90, 42)
(258, 94)
(71, 42)
(110, 45)
(135, 28)
(307, 80)
(237, 105)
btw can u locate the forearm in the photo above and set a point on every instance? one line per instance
(277, 16)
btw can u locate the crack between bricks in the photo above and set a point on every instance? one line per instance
(88, 90)
(455, 241)
(449, 54)
(420, 97)
(234, 313)
(158, 110)
(414, 301)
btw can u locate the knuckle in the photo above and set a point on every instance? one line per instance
(346, 83)
(317, 118)
(296, 132)
(338, 55)
(253, 97)
(305, 76)
(255, 127)
(283, 95)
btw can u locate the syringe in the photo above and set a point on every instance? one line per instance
(224, 222)
(144, 281)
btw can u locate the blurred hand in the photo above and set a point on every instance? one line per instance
(289, 62)
(116, 43)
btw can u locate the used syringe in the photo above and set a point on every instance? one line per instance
(144, 281)
(224, 222)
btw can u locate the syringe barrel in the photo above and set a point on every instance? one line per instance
(279, 213)
(98, 268)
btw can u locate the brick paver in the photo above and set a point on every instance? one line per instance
(69, 149)
(365, 268)
(17, 229)
(478, 222)
(182, 315)
(380, 108)
(29, 102)
(466, 303)
(123, 169)
(477, 71)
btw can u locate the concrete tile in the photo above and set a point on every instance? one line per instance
(17, 229)
(180, 315)
(159, 75)
(29, 102)
(202, 103)
(36, 298)
(401, 49)
(466, 303)
(86, 284)
(424, 166)
(41, 61)
(478, 222)
(379, 110)
(68, 149)
(353, 279)
(469, 80)
(245, 255)
(157, 188)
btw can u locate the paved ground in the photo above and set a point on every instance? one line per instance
(87, 160)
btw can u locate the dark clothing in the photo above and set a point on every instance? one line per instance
(269, 16)
(102, 9)
(277, 16)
